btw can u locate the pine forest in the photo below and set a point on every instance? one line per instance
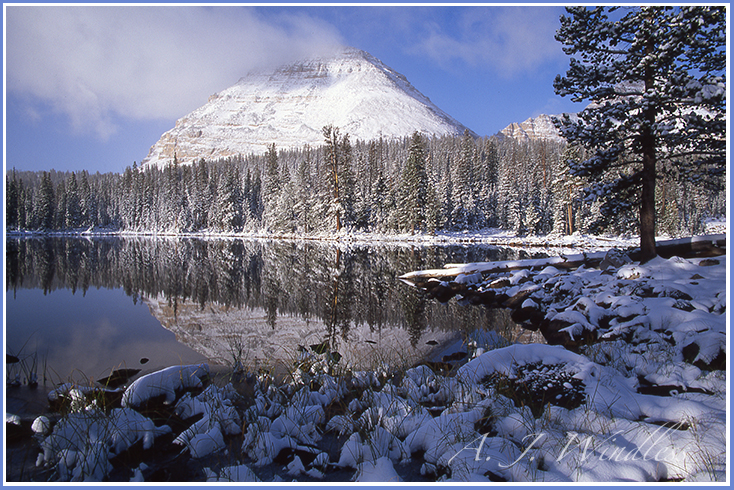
(413, 185)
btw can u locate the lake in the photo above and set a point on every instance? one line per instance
(78, 308)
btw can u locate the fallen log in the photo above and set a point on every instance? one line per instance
(450, 272)
(698, 246)
(689, 247)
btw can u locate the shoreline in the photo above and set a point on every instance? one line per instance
(491, 237)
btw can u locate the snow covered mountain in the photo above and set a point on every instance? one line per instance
(352, 90)
(533, 128)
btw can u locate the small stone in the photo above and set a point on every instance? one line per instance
(708, 262)
(502, 282)
(614, 258)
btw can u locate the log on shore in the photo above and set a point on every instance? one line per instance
(698, 246)
(689, 247)
(452, 271)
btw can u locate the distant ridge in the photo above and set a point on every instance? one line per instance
(533, 128)
(289, 106)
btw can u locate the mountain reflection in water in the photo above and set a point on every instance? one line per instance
(257, 300)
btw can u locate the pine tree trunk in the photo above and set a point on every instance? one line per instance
(647, 208)
(649, 163)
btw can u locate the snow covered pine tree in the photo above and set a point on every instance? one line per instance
(656, 80)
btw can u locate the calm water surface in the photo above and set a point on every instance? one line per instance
(80, 335)
(78, 308)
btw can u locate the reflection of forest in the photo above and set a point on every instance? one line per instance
(343, 286)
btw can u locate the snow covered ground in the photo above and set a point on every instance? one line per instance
(638, 405)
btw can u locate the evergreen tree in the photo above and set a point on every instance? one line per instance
(73, 204)
(666, 204)
(432, 207)
(272, 188)
(382, 202)
(172, 199)
(533, 213)
(46, 204)
(60, 215)
(87, 202)
(414, 187)
(304, 202)
(25, 207)
(487, 183)
(339, 178)
(201, 196)
(11, 201)
(228, 208)
(656, 77)
(463, 183)
(253, 199)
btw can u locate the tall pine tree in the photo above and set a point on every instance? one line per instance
(46, 204)
(414, 187)
(656, 77)
(340, 181)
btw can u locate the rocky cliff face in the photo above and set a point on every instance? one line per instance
(289, 107)
(533, 128)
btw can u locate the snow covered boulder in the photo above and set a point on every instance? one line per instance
(707, 351)
(614, 259)
(263, 446)
(164, 383)
(219, 418)
(126, 427)
(532, 375)
(381, 470)
(438, 435)
(506, 359)
(442, 291)
(569, 329)
(202, 439)
(213, 403)
(468, 279)
(41, 425)
(529, 315)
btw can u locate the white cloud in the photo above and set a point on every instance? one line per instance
(511, 41)
(98, 63)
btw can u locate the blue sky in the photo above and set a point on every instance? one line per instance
(95, 87)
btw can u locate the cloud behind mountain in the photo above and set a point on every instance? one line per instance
(94, 64)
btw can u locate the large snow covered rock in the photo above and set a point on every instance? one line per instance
(164, 383)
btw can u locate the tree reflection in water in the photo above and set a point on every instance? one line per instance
(342, 286)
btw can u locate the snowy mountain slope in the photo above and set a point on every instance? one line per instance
(289, 107)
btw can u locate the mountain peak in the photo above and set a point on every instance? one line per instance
(290, 105)
(540, 127)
